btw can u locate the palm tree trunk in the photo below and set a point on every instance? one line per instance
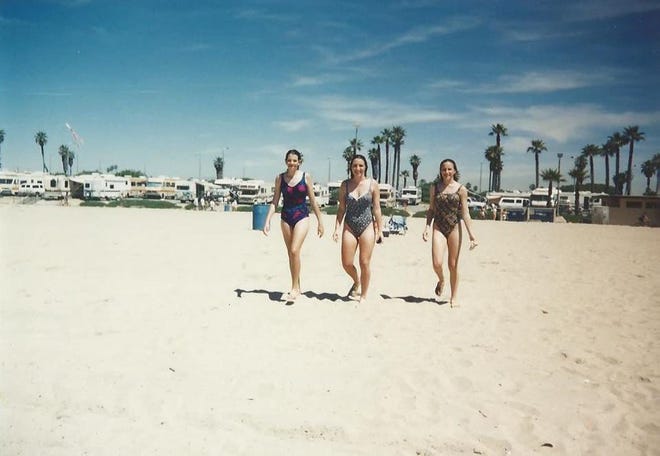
(387, 160)
(630, 160)
(617, 167)
(379, 163)
(607, 173)
(591, 172)
(536, 157)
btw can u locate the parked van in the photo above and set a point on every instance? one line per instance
(513, 203)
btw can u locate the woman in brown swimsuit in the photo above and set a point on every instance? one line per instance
(448, 205)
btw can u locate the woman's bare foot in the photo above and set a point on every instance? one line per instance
(453, 303)
(354, 292)
(292, 295)
(439, 287)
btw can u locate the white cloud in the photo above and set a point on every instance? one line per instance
(373, 113)
(292, 125)
(565, 123)
(547, 81)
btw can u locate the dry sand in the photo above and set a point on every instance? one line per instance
(137, 331)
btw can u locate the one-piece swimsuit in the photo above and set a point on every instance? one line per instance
(446, 210)
(295, 207)
(358, 212)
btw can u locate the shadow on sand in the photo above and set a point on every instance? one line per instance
(415, 299)
(278, 296)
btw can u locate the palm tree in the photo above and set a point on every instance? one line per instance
(579, 173)
(377, 141)
(550, 175)
(589, 151)
(491, 154)
(356, 144)
(219, 165)
(536, 148)
(41, 139)
(398, 133)
(607, 150)
(617, 141)
(373, 158)
(631, 135)
(406, 174)
(498, 130)
(386, 134)
(72, 155)
(348, 156)
(648, 170)
(2, 139)
(64, 152)
(414, 163)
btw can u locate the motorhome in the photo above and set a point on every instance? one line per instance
(333, 192)
(56, 186)
(539, 197)
(411, 195)
(185, 191)
(104, 186)
(321, 195)
(254, 191)
(9, 183)
(138, 186)
(387, 195)
(160, 188)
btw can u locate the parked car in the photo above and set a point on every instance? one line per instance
(475, 203)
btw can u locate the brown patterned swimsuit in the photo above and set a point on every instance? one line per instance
(446, 210)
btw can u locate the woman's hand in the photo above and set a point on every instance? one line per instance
(473, 243)
(335, 236)
(266, 229)
(425, 234)
(320, 230)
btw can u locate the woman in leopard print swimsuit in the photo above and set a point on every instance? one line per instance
(448, 205)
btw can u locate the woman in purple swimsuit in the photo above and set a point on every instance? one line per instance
(295, 187)
(448, 205)
(359, 209)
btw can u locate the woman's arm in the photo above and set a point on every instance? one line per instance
(375, 209)
(312, 202)
(429, 213)
(465, 215)
(341, 202)
(273, 204)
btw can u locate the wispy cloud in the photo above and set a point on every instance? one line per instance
(292, 125)
(589, 10)
(565, 123)
(262, 15)
(536, 33)
(413, 36)
(546, 81)
(373, 113)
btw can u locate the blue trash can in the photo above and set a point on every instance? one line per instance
(259, 214)
(227, 207)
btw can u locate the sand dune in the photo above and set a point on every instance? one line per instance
(136, 331)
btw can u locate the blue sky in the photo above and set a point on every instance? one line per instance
(163, 85)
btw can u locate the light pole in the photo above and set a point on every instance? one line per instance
(355, 144)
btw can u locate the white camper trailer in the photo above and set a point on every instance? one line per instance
(387, 195)
(254, 191)
(9, 183)
(56, 186)
(333, 192)
(321, 195)
(104, 186)
(411, 195)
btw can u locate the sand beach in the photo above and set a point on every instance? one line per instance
(142, 331)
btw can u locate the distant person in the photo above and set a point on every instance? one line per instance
(359, 209)
(448, 204)
(644, 220)
(295, 187)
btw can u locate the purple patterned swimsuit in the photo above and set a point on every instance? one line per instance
(295, 207)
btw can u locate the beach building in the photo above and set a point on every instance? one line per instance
(627, 210)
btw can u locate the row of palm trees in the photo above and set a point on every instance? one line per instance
(389, 137)
(66, 154)
(611, 148)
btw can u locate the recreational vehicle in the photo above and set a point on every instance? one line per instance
(185, 191)
(539, 197)
(387, 195)
(411, 195)
(56, 187)
(9, 183)
(254, 191)
(333, 192)
(138, 187)
(321, 195)
(104, 186)
(160, 188)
